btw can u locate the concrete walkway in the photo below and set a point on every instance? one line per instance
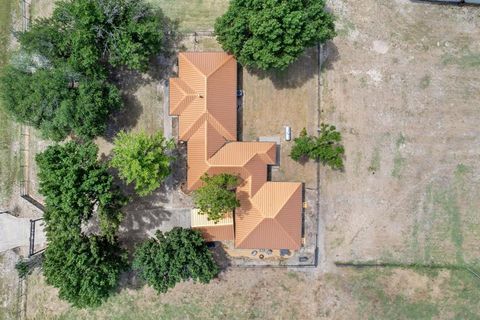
(15, 232)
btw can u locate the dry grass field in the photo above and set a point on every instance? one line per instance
(9, 130)
(401, 82)
(195, 15)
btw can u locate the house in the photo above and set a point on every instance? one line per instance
(204, 98)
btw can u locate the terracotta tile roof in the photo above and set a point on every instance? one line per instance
(204, 98)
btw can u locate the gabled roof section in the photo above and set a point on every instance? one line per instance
(240, 153)
(181, 95)
(206, 62)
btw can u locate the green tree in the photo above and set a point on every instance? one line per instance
(177, 255)
(89, 34)
(302, 146)
(85, 269)
(216, 196)
(326, 148)
(271, 34)
(58, 101)
(142, 159)
(76, 186)
(61, 83)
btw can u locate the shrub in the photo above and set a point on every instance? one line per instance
(325, 148)
(22, 268)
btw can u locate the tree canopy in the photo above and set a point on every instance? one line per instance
(216, 196)
(177, 255)
(325, 148)
(59, 101)
(91, 34)
(271, 34)
(85, 269)
(59, 81)
(76, 186)
(142, 159)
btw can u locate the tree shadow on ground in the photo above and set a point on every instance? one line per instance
(329, 55)
(302, 70)
(142, 215)
(148, 213)
(221, 257)
(179, 168)
(160, 68)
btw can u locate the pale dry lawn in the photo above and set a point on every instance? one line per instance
(274, 100)
(282, 294)
(193, 15)
(402, 84)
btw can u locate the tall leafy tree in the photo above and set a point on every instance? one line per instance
(91, 33)
(76, 186)
(85, 269)
(216, 196)
(271, 34)
(59, 101)
(325, 148)
(142, 159)
(177, 255)
(79, 45)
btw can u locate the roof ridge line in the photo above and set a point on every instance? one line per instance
(218, 123)
(195, 67)
(227, 59)
(188, 134)
(273, 182)
(288, 234)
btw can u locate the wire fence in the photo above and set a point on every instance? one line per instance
(25, 138)
(24, 182)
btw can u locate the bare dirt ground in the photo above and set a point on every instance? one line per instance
(401, 82)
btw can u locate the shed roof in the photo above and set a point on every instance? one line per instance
(222, 230)
(204, 98)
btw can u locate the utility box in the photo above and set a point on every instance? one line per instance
(288, 133)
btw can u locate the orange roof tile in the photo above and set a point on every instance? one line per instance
(204, 98)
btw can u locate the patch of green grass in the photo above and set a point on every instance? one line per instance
(363, 82)
(448, 222)
(209, 44)
(398, 161)
(398, 165)
(465, 60)
(193, 15)
(369, 290)
(375, 161)
(425, 82)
